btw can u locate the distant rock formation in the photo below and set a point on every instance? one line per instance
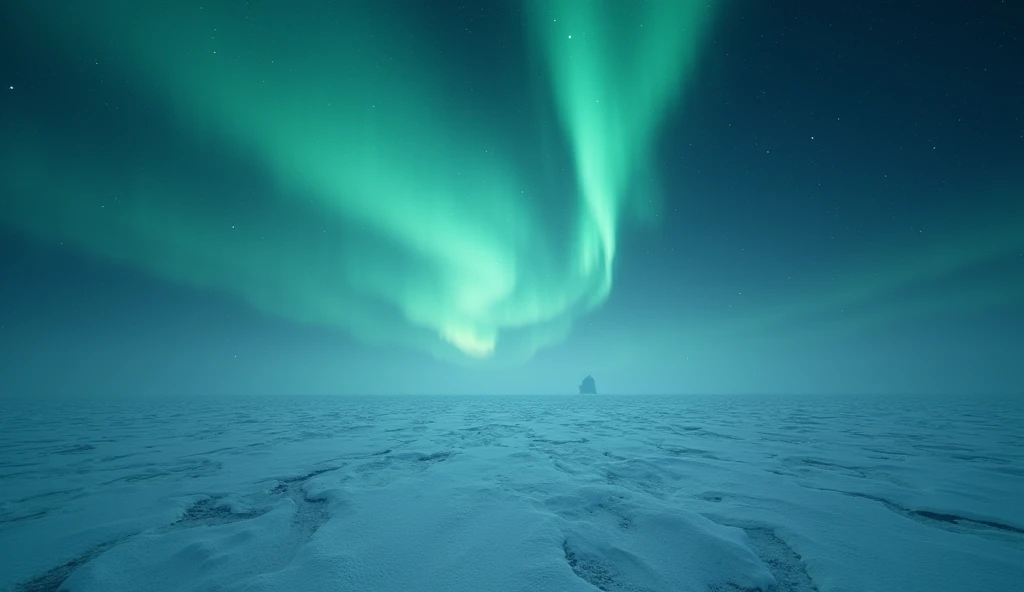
(588, 387)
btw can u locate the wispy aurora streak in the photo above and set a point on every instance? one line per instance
(385, 211)
(616, 67)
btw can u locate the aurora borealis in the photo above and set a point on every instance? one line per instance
(398, 207)
(477, 189)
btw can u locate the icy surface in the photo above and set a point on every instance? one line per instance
(517, 493)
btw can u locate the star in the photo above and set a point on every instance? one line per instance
(12, 87)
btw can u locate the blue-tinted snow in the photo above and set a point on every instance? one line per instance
(517, 493)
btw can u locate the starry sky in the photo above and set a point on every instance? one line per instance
(214, 197)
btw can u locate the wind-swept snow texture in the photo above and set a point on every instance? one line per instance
(620, 494)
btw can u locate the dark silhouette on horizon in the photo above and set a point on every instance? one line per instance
(588, 387)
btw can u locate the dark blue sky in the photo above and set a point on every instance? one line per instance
(841, 191)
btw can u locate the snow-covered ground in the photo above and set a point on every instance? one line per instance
(484, 494)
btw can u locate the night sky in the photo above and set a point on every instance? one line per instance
(275, 197)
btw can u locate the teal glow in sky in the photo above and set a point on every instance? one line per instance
(389, 210)
(503, 197)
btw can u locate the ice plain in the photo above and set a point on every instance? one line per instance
(567, 493)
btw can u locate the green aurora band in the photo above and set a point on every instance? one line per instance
(381, 206)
